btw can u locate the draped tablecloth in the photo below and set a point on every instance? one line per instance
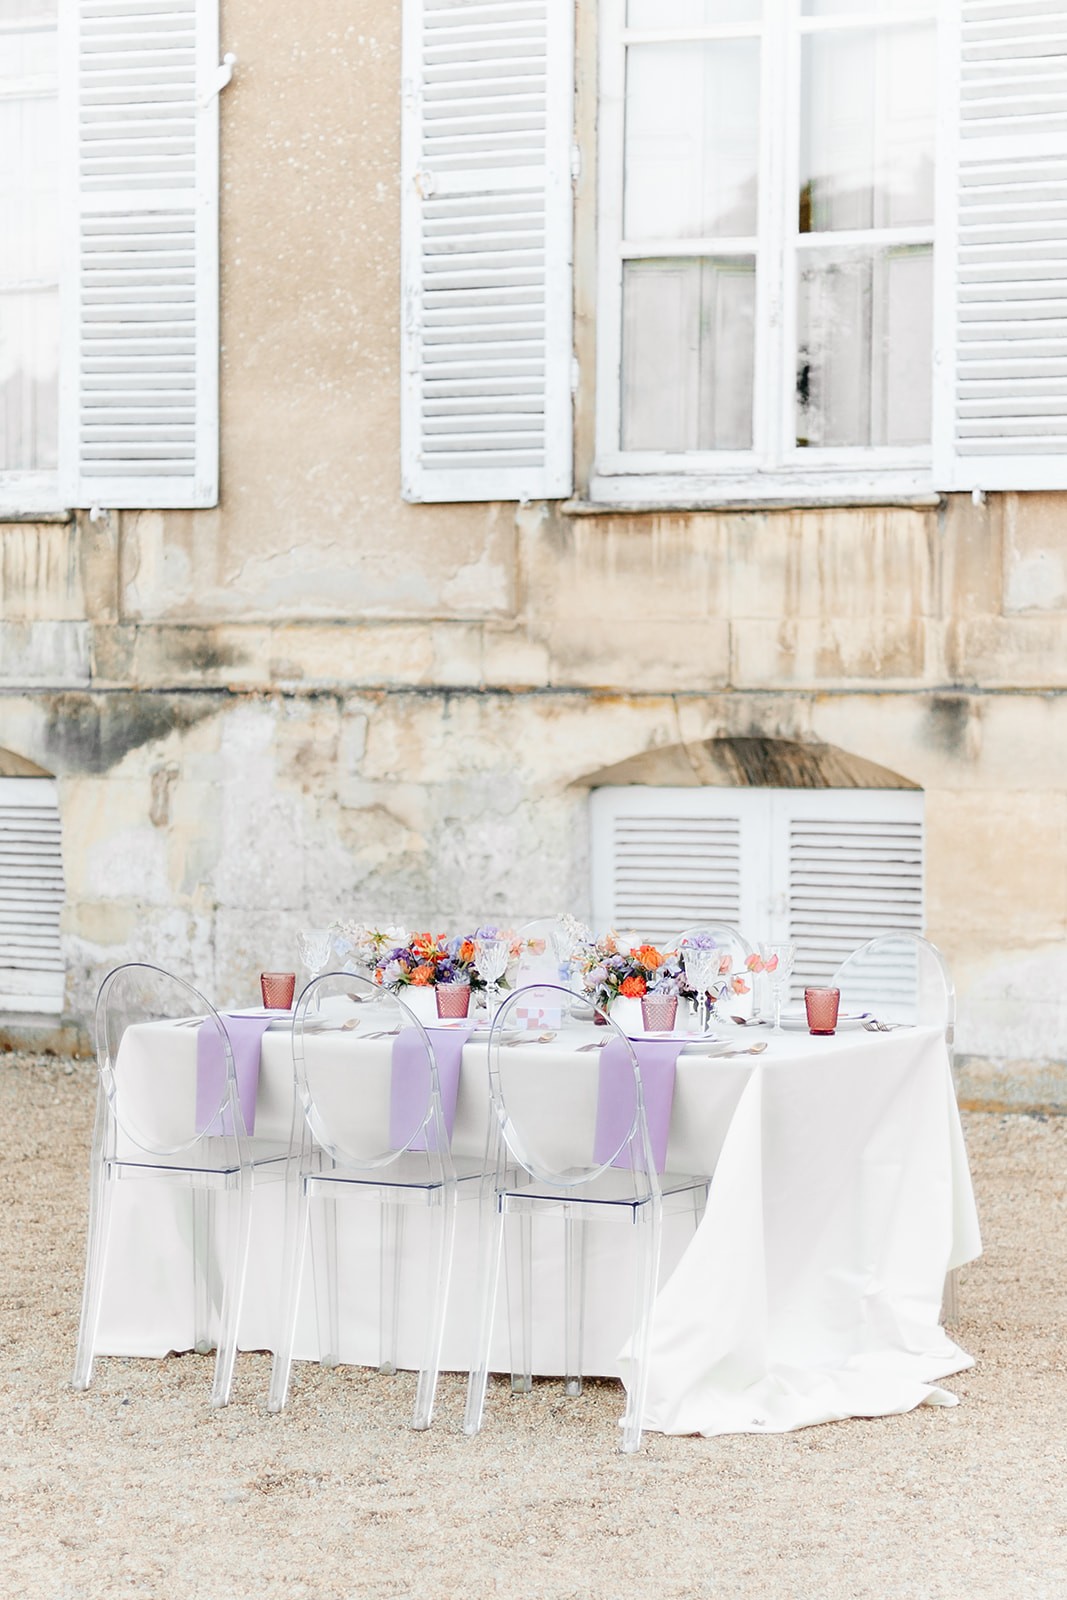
(811, 1290)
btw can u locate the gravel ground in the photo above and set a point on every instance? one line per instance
(139, 1488)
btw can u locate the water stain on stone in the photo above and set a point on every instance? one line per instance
(948, 720)
(92, 733)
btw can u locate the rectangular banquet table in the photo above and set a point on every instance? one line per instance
(811, 1290)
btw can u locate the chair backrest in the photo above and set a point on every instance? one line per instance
(901, 977)
(147, 1063)
(733, 942)
(566, 1126)
(366, 1076)
(725, 936)
(559, 937)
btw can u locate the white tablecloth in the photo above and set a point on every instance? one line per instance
(811, 1290)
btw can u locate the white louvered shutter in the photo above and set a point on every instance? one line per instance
(669, 859)
(824, 868)
(139, 385)
(850, 863)
(487, 228)
(1001, 321)
(31, 897)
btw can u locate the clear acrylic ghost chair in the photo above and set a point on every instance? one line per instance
(147, 1130)
(731, 939)
(902, 977)
(544, 1160)
(368, 1122)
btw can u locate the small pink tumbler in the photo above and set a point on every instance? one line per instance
(821, 1006)
(277, 990)
(453, 999)
(658, 1012)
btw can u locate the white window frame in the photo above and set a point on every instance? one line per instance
(29, 489)
(774, 468)
(125, 197)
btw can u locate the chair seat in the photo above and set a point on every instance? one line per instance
(209, 1158)
(411, 1170)
(613, 1188)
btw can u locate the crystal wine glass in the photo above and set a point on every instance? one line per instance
(491, 959)
(316, 947)
(701, 970)
(778, 962)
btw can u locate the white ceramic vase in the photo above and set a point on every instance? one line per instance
(421, 999)
(625, 1012)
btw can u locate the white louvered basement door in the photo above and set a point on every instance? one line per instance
(853, 860)
(1001, 335)
(486, 223)
(31, 897)
(824, 868)
(139, 396)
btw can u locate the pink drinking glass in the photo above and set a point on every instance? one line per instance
(277, 990)
(658, 1012)
(821, 1006)
(453, 999)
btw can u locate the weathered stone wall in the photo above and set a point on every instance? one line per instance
(317, 699)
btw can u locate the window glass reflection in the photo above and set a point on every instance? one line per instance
(688, 343)
(867, 129)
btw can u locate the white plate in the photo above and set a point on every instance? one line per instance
(797, 1021)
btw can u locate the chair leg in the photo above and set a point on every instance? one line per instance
(295, 1249)
(573, 1300)
(443, 1232)
(519, 1269)
(204, 1207)
(392, 1245)
(323, 1217)
(646, 1276)
(233, 1289)
(492, 1243)
(95, 1265)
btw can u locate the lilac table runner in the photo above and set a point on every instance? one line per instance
(657, 1061)
(408, 1092)
(246, 1038)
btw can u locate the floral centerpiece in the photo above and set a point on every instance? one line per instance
(611, 972)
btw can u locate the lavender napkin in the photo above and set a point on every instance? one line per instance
(657, 1061)
(409, 1089)
(246, 1037)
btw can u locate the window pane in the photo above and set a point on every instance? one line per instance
(864, 333)
(867, 129)
(29, 256)
(28, 10)
(690, 13)
(855, 8)
(688, 354)
(692, 139)
(28, 389)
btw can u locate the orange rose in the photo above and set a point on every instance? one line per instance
(422, 976)
(649, 957)
(633, 988)
(466, 950)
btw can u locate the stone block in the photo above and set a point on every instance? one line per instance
(1035, 553)
(835, 652)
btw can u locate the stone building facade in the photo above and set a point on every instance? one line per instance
(316, 699)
